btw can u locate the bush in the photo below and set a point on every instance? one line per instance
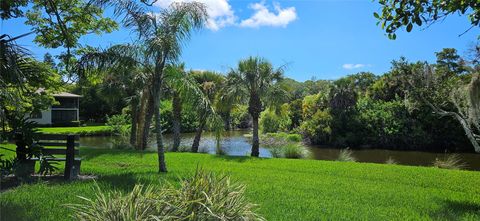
(271, 122)
(294, 137)
(117, 123)
(204, 196)
(240, 117)
(346, 155)
(452, 161)
(317, 129)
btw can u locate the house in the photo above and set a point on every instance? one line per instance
(64, 112)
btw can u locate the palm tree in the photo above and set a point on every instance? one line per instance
(183, 88)
(160, 39)
(255, 82)
(209, 83)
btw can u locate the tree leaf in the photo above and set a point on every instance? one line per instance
(409, 27)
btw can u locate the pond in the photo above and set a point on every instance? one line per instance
(234, 143)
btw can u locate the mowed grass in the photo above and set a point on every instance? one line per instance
(85, 131)
(284, 189)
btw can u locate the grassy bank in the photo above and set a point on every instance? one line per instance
(284, 189)
(83, 131)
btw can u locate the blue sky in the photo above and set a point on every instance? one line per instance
(321, 39)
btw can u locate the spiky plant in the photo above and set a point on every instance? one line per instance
(204, 196)
(346, 155)
(452, 161)
(390, 160)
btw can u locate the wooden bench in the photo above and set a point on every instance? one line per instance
(64, 145)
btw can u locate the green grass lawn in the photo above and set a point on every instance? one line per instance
(85, 131)
(284, 189)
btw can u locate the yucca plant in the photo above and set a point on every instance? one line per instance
(346, 155)
(452, 161)
(204, 196)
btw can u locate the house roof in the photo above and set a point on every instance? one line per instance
(59, 94)
(65, 94)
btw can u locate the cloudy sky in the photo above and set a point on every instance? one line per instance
(324, 39)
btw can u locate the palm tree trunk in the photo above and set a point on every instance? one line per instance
(144, 122)
(255, 139)
(177, 113)
(156, 90)
(133, 128)
(226, 120)
(198, 135)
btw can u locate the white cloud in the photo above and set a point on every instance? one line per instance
(219, 11)
(354, 66)
(264, 17)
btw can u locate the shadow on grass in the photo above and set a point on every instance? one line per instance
(456, 210)
(87, 153)
(14, 211)
(238, 159)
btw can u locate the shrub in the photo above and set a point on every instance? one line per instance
(294, 137)
(271, 122)
(346, 155)
(240, 116)
(117, 123)
(204, 196)
(452, 161)
(318, 128)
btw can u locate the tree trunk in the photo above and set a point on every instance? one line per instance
(465, 125)
(133, 128)
(255, 139)
(177, 117)
(144, 121)
(198, 135)
(226, 120)
(156, 90)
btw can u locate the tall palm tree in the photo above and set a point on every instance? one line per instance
(254, 82)
(160, 39)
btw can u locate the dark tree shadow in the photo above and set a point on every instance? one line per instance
(238, 159)
(455, 210)
(13, 211)
(91, 153)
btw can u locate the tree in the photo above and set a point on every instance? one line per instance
(453, 97)
(160, 38)
(254, 82)
(209, 83)
(21, 76)
(184, 87)
(61, 23)
(408, 13)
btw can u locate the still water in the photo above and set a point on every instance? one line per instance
(234, 143)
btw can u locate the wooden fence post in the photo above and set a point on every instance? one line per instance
(70, 157)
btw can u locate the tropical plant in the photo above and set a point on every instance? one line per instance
(254, 82)
(209, 83)
(204, 196)
(160, 38)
